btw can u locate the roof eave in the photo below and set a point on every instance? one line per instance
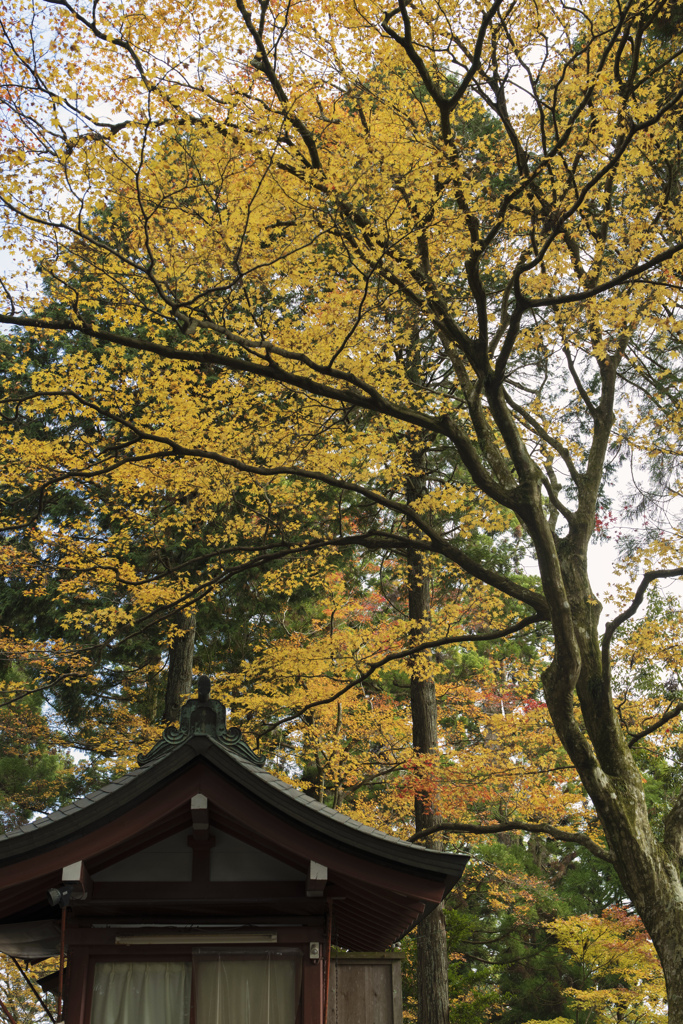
(115, 799)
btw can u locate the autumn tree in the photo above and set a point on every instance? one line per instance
(620, 975)
(505, 962)
(293, 249)
(21, 1000)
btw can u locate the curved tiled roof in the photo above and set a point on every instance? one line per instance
(89, 811)
(202, 733)
(384, 884)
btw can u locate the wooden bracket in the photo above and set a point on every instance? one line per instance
(199, 809)
(317, 879)
(76, 877)
(201, 839)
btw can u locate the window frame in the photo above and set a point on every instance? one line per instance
(192, 954)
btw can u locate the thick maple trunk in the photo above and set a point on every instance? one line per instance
(650, 874)
(669, 947)
(180, 658)
(649, 869)
(658, 899)
(651, 877)
(594, 739)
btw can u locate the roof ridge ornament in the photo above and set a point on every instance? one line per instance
(202, 716)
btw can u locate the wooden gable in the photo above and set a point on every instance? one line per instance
(202, 848)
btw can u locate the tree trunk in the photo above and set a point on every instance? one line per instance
(432, 942)
(648, 868)
(180, 658)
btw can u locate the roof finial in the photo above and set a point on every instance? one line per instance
(203, 688)
(202, 716)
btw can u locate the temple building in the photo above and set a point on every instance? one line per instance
(199, 889)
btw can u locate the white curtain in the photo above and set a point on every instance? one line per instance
(246, 991)
(141, 993)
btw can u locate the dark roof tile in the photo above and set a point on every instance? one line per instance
(313, 812)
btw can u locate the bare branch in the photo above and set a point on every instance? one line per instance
(613, 626)
(518, 826)
(667, 717)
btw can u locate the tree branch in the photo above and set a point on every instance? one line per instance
(357, 392)
(553, 301)
(671, 713)
(437, 542)
(519, 826)
(613, 626)
(552, 442)
(427, 645)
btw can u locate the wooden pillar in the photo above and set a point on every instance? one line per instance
(312, 991)
(76, 988)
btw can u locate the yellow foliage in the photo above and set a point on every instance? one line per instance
(620, 972)
(18, 996)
